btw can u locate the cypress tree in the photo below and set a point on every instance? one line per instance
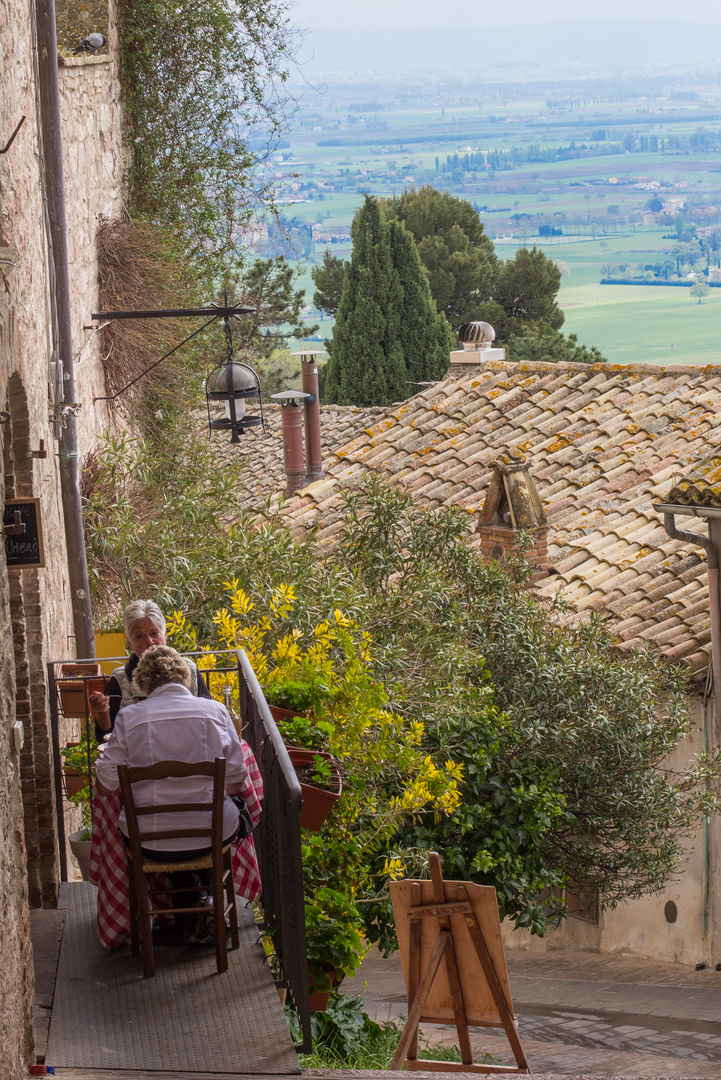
(366, 366)
(426, 337)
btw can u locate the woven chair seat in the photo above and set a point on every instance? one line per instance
(203, 863)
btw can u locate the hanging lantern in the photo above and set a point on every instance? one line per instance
(233, 383)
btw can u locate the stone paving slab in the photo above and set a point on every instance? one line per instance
(582, 1012)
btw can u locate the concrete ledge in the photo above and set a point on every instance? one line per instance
(83, 61)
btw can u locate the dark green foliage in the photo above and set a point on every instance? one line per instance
(426, 337)
(453, 247)
(201, 86)
(266, 285)
(328, 280)
(366, 366)
(541, 343)
(526, 288)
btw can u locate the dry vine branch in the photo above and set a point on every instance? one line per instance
(137, 272)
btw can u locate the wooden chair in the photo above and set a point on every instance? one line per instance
(218, 861)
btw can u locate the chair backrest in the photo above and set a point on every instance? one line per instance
(165, 770)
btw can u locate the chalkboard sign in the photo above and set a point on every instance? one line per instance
(23, 533)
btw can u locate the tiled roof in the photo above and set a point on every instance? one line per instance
(701, 488)
(603, 442)
(263, 473)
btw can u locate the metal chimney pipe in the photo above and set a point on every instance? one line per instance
(311, 415)
(293, 445)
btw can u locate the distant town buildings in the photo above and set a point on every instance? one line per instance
(327, 234)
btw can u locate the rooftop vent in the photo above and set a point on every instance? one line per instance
(476, 335)
(477, 339)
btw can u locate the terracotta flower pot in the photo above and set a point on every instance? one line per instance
(317, 802)
(320, 998)
(74, 780)
(279, 715)
(72, 690)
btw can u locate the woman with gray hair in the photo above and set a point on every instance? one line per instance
(144, 625)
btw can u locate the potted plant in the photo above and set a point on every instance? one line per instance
(320, 784)
(76, 765)
(81, 839)
(290, 697)
(71, 687)
(334, 942)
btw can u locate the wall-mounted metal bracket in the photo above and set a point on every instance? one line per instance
(11, 140)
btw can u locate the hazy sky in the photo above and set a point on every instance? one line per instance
(397, 14)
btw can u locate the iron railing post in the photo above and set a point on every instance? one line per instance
(57, 772)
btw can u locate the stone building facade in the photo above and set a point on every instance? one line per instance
(35, 617)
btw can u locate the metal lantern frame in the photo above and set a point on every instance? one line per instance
(230, 395)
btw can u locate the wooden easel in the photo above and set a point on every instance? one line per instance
(455, 921)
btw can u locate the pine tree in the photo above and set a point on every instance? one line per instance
(366, 366)
(426, 337)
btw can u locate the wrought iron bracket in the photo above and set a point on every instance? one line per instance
(11, 140)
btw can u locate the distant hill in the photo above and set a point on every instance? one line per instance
(500, 51)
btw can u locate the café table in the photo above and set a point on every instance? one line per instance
(109, 861)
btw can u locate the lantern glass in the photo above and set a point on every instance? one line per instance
(239, 409)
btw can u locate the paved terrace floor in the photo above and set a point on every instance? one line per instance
(106, 1016)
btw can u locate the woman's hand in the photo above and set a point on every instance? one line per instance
(100, 708)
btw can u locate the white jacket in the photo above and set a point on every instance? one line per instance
(173, 725)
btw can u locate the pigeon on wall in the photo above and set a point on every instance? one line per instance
(93, 43)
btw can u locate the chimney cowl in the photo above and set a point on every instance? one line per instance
(476, 335)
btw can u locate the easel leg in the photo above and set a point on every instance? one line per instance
(414, 967)
(479, 943)
(410, 1031)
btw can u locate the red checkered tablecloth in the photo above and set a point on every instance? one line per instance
(109, 863)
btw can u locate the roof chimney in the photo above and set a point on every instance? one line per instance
(513, 505)
(477, 339)
(311, 414)
(292, 438)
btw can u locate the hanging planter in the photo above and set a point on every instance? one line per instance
(320, 784)
(282, 715)
(80, 847)
(72, 689)
(75, 766)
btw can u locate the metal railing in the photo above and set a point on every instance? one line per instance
(278, 844)
(277, 834)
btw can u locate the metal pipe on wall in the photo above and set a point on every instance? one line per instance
(68, 455)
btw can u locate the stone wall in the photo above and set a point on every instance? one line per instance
(35, 615)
